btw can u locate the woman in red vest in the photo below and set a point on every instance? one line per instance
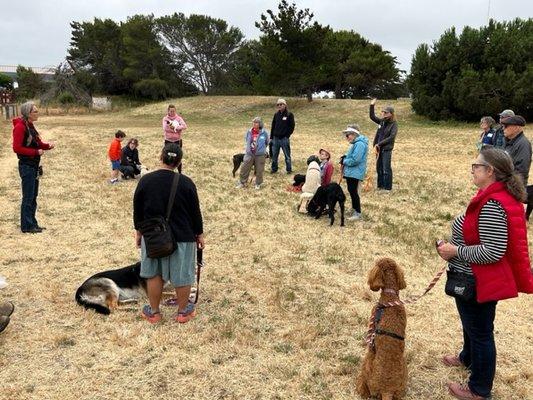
(488, 260)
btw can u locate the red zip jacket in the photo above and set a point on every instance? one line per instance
(512, 273)
(19, 137)
(114, 152)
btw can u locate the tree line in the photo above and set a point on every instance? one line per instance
(178, 55)
(479, 72)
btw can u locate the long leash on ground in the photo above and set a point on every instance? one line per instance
(371, 333)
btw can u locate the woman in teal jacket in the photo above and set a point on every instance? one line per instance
(354, 166)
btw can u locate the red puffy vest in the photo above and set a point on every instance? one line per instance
(512, 273)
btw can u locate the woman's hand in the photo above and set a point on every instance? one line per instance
(373, 101)
(138, 237)
(200, 241)
(447, 251)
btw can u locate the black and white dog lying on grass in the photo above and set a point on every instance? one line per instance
(103, 291)
(329, 196)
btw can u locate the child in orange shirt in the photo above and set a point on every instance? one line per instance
(114, 153)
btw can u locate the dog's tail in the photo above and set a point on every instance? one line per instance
(96, 303)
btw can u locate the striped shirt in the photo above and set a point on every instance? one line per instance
(492, 226)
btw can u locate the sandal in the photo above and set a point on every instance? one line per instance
(149, 315)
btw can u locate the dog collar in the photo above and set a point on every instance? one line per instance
(390, 291)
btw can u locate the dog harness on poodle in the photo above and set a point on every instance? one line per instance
(377, 331)
(374, 320)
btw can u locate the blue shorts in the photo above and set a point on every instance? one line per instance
(115, 164)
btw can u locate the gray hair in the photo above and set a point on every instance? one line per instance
(488, 120)
(26, 108)
(257, 119)
(355, 126)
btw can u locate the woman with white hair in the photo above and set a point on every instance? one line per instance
(256, 145)
(29, 147)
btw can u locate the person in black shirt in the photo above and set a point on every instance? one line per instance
(129, 160)
(150, 200)
(280, 133)
(384, 144)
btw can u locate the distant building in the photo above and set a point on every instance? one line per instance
(47, 73)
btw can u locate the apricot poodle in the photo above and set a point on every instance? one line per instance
(383, 373)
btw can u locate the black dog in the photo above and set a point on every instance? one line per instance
(299, 180)
(327, 195)
(103, 291)
(238, 160)
(529, 201)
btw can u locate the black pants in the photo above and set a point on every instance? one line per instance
(180, 143)
(352, 184)
(384, 169)
(479, 348)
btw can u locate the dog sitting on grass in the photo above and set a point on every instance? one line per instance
(383, 373)
(238, 159)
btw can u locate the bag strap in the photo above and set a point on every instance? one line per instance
(199, 265)
(172, 193)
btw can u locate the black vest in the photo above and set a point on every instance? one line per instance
(30, 141)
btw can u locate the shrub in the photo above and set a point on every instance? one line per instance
(154, 89)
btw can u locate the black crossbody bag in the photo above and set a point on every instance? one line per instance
(460, 285)
(158, 239)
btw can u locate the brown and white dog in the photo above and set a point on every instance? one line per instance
(383, 373)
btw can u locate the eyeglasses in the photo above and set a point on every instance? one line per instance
(475, 166)
(280, 104)
(34, 111)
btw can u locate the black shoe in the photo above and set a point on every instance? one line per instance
(289, 172)
(33, 230)
(41, 228)
(273, 172)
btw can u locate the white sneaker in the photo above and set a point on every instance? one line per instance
(257, 187)
(239, 185)
(355, 216)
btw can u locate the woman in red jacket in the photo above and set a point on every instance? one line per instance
(29, 147)
(488, 260)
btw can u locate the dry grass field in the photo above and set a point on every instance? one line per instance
(284, 303)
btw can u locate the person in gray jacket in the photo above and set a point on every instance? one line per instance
(517, 145)
(384, 144)
(499, 138)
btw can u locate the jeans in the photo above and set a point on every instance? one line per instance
(352, 184)
(285, 145)
(384, 169)
(479, 349)
(30, 189)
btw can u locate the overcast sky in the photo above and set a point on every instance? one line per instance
(37, 32)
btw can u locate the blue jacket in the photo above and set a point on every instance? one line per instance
(261, 145)
(355, 158)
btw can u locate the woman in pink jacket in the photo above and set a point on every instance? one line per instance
(173, 126)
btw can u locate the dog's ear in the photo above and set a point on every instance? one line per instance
(375, 278)
(400, 277)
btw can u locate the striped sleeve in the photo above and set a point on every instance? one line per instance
(493, 236)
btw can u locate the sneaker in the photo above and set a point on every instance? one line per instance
(7, 308)
(452, 361)
(257, 187)
(186, 315)
(4, 322)
(239, 185)
(355, 216)
(463, 392)
(149, 315)
(172, 302)
(113, 181)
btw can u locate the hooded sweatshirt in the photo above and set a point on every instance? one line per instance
(27, 142)
(173, 127)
